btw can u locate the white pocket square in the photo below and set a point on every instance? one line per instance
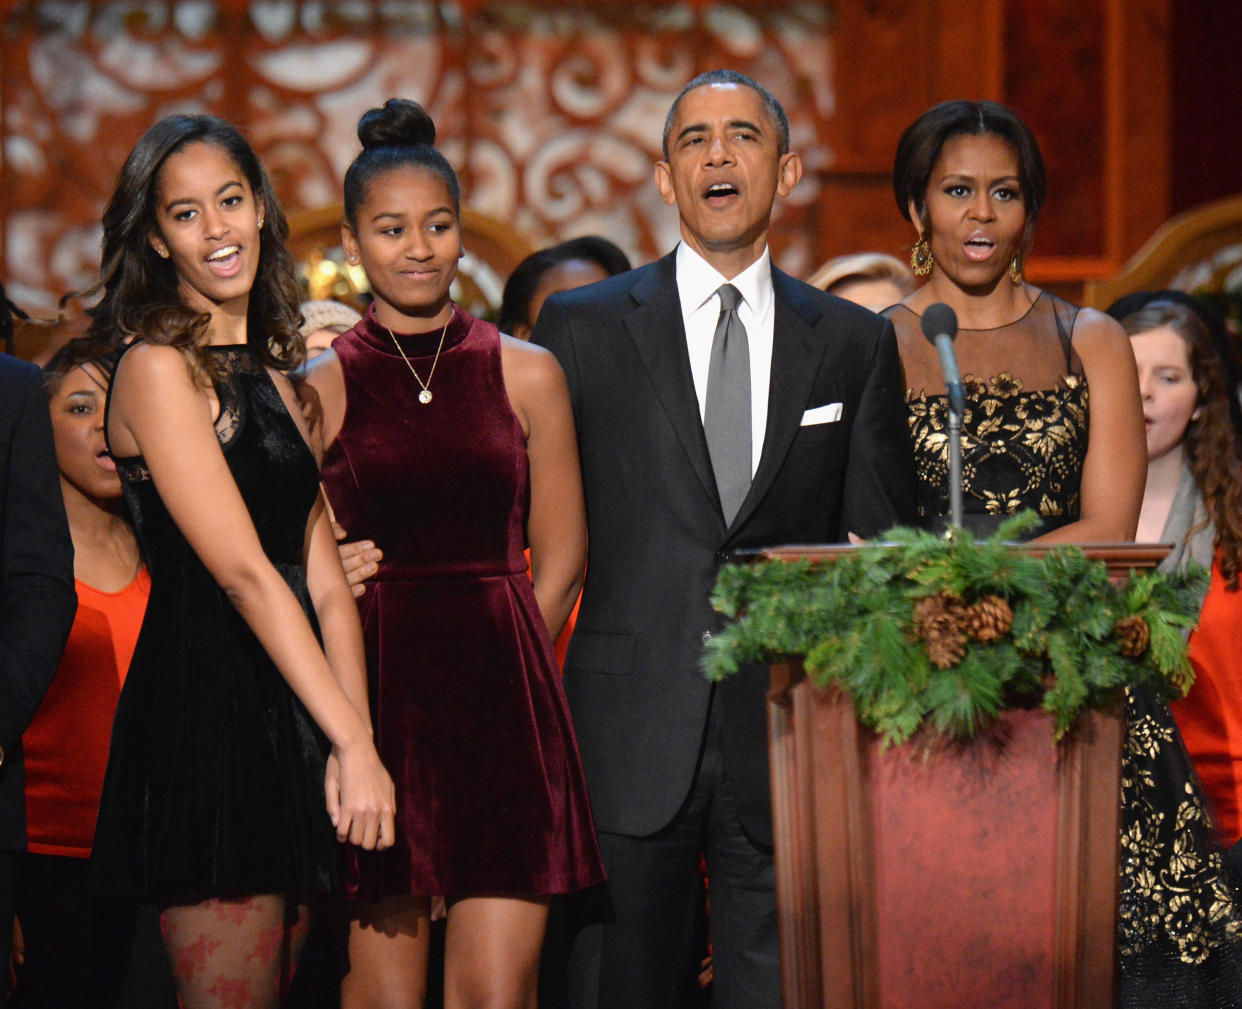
(825, 414)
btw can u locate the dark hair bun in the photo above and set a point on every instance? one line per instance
(400, 123)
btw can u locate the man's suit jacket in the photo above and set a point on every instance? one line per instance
(37, 599)
(657, 537)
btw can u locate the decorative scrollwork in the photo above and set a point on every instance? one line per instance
(552, 112)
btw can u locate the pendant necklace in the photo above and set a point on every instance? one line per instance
(424, 396)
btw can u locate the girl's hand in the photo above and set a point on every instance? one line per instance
(360, 797)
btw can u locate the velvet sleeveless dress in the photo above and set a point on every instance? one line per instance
(214, 784)
(1024, 441)
(470, 718)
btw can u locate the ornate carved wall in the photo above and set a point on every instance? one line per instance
(552, 109)
(552, 112)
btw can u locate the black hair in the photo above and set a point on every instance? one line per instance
(525, 279)
(924, 139)
(140, 290)
(774, 109)
(399, 134)
(75, 354)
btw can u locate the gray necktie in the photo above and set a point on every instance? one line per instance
(726, 419)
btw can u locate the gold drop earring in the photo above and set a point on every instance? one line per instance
(921, 261)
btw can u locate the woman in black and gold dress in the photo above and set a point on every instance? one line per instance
(970, 178)
(1054, 423)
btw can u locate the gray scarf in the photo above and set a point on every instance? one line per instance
(1188, 528)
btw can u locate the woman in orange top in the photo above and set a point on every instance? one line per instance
(1193, 499)
(75, 950)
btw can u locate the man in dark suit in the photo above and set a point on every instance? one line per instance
(37, 599)
(705, 426)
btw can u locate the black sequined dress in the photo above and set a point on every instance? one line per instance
(214, 784)
(1024, 441)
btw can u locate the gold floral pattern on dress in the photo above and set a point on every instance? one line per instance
(1173, 889)
(1020, 449)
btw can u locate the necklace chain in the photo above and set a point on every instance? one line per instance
(424, 397)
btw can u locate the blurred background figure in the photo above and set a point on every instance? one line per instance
(1193, 500)
(37, 600)
(1222, 331)
(874, 280)
(76, 949)
(561, 267)
(323, 322)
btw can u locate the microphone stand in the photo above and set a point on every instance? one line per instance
(939, 325)
(956, 409)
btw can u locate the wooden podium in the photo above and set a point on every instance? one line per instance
(962, 876)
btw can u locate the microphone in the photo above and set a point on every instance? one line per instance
(940, 327)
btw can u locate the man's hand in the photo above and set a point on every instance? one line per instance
(360, 560)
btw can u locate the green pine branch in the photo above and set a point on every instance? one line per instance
(852, 622)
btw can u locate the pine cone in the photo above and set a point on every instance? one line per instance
(1134, 635)
(989, 619)
(946, 650)
(940, 621)
(944, 611)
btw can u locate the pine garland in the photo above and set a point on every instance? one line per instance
(947, 633)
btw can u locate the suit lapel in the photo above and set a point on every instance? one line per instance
(659, 335)
(796, 356)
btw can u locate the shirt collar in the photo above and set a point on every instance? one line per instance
(697, 281)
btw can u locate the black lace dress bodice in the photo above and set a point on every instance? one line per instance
(1024, 432)
(214, 784)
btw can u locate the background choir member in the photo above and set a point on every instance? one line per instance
(37, 601)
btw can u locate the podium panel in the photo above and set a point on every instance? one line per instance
(971, 874)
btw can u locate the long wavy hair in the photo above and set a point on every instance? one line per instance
(140, 289)
(1211, 442)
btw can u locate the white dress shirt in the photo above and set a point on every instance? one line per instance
(697, 283)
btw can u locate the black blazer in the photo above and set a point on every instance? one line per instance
(657, 537)
(37, 600)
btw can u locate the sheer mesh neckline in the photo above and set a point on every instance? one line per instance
(986, 329)
(1034, 352)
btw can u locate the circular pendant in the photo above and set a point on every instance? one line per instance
(425, 396)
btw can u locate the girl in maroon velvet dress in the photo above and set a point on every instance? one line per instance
(451, 447)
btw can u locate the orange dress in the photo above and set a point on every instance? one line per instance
(562, 640)
(1210, 716)
(66, 743)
